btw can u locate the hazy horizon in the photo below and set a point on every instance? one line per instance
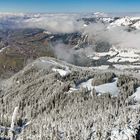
(109, 14)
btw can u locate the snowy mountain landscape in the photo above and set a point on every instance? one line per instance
(69, 76)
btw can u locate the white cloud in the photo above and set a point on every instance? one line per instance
(67, 23)
(116, 36)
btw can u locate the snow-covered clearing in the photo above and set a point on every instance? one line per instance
(62, 72)
(136, 95)
(101, 89)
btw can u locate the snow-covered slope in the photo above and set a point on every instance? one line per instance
(133, 22)
(126, 55)
(116, 55)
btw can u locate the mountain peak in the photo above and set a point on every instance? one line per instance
(100, 14)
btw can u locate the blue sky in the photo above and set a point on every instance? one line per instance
(69, 5)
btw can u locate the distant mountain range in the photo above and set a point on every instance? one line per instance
(13, 20)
